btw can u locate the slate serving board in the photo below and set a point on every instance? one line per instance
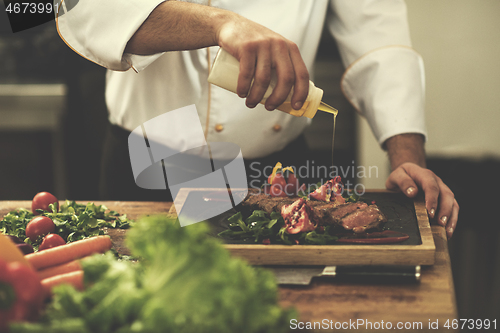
(404, 215)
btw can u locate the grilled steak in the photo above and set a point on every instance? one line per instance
(355, 216)
(364, 218)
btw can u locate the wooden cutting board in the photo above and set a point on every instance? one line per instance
(420, 250)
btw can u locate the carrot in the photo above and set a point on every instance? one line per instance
(73, 278)
(68, 252)
(68, 267)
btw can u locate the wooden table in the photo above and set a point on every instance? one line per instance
(341, 306)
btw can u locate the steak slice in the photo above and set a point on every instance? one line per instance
(363, 219)
(333, 214)
(354, 216)
(257, 200)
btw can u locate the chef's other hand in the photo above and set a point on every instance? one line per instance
(260, 50)
(439, 199)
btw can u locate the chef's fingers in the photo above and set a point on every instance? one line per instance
(301, 87)
(285, 74)
(247, 72)
(400, 180)
(452, 223)
(446, 203)
(428, 182)
(439, 199)
(409, 177)
(262, 76)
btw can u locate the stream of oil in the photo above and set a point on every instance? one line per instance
(327, 108)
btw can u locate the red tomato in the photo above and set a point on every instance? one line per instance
(290, 190)
(39, 226)
(276, 191)
(292, 185)
(51, 240)
(42, 201)
(292, 179)
(279, 179)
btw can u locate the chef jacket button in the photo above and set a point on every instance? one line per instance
(219, 127)
(277, 127)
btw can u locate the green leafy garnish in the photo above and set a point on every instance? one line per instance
(353, 197)
(261, 226)
(320, 238)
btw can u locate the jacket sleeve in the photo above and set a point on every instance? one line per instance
(384, 78)
(99, 30)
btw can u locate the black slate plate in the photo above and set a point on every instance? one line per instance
(399, 210)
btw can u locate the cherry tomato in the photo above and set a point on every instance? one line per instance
(292, 185)
(42, 201)
(290, 190)
(51, 240)
(292, 179)
(276, 191)
(39, 226)
(279, 179)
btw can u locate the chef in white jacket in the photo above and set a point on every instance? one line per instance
(158, 54)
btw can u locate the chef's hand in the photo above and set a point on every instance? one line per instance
(439, 199)
(259, 50)
(411, 177)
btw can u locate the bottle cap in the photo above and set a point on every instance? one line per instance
(314, 98)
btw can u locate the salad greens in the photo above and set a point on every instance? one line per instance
(270, 229)
(184, 282)
(73, 221)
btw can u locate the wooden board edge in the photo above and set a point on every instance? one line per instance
(333, 254)
(424, 225)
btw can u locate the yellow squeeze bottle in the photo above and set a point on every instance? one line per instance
(225, 71)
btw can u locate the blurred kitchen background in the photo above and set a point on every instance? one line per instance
(52, 119)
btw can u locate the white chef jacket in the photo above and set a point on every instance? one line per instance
(384, 79)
